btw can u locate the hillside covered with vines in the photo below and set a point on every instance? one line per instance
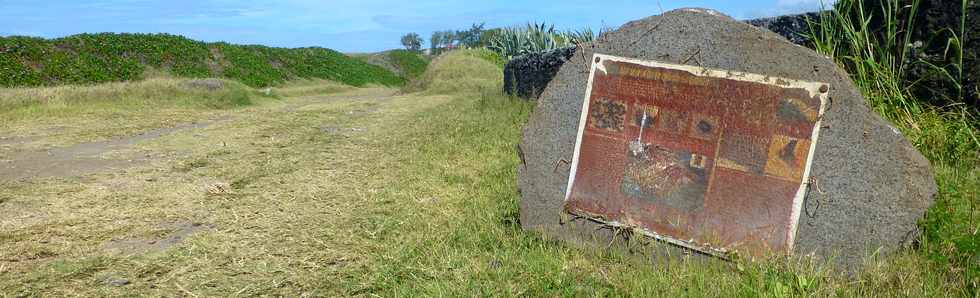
(110, 57)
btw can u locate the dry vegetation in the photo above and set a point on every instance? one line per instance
(358, 192)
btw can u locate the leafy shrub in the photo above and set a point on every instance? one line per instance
(411, 64)
(108, 57)
(535, 38)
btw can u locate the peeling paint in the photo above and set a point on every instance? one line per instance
(713, 160)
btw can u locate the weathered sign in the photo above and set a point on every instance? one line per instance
(712, 160)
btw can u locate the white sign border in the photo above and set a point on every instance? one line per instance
(812, 87)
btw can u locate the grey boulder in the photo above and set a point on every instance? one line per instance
(870, 185)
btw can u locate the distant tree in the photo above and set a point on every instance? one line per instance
(435, 43)
(471, 38)
(412, 42)
(449, 39)
(488, 35)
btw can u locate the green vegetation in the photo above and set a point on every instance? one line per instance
(535, 38)
(107, 57)
(451, 225)
(441, 41)
(412, 42)
(948, 136)
(304, 87)
(205, 93)
(405, 63)
(76, 113)
(358, 193)
(362, 193)
(461, 71)
(411, 64)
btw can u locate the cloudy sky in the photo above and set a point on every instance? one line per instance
(348, 26)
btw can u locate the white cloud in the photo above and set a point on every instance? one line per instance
(785, 7)
(805, 3)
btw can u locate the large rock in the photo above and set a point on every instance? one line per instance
(527, 75)
(871, 185)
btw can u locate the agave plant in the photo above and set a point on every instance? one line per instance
(535, 38)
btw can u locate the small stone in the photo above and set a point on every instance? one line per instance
(116, 282)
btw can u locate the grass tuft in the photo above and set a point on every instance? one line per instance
(878, 59)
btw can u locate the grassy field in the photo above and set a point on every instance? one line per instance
(359, 191)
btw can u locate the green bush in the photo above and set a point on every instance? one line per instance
(535, 38)
(108, 57)
(412, 64)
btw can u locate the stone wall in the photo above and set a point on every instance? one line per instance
(527, 76)
(793, 27)
(934, 16)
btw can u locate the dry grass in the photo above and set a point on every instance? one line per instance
(358, 193)
(459, 72)
(306, 87)
(67, 115)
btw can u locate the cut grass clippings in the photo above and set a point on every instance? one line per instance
(364, 193)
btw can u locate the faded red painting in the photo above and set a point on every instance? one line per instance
(711, 160)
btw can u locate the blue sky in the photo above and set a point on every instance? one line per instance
(347, 26)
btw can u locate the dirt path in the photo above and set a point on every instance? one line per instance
(274, 198)
(115, 154)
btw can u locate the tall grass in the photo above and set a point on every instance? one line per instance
(878, 60)
(451, 227)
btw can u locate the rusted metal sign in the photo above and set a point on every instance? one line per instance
(712, 160)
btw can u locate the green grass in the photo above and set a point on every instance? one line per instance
(948, 136)
(461, 71)
(68, 115)
(466, 239)
(405, 63)
(362, 193)
(410, 63)
(108, 57)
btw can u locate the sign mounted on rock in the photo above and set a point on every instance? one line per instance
(712, 160)
(870, 186)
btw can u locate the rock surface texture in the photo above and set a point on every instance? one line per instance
(870, 185)
(794, 28)
(527, 76)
